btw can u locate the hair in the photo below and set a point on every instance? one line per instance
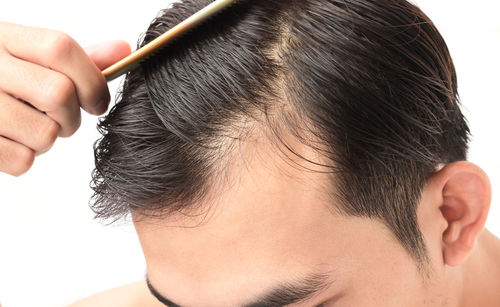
(369, 84)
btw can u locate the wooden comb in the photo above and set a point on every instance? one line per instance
(133, 60)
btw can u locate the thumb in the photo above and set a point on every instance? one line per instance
(107, 53)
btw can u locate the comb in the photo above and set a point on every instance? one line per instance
(133, 60)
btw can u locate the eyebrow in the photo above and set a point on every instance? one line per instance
(158, 296)
(285, 294)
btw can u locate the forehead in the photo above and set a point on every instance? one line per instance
(272, 223)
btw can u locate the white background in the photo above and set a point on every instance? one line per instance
(51, 250)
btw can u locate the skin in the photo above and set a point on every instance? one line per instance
(273, 223)
(46, 78)
(132, 295)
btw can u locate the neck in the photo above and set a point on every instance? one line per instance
(480, 273)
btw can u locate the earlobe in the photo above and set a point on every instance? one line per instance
(466, 197)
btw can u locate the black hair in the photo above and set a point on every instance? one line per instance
(370, 84)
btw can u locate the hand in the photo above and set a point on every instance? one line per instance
(45, 77)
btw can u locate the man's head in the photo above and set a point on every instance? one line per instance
(295, 143)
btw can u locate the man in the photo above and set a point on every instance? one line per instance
(303, 153)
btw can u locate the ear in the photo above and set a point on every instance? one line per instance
(464, 194)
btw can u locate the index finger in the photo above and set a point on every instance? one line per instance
(58, 51)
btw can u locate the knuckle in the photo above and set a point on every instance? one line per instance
(23, 161)
(48, 134)
(60, 91)
(6, 61)
(59, 45)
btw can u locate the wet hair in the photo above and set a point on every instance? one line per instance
(369, 84)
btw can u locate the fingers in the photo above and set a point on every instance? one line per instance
(45, 78)
(58, 51)
(15, 159)
(45, 89)
(25, 125)
(108, 53)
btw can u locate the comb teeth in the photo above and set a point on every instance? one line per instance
(130, 62)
